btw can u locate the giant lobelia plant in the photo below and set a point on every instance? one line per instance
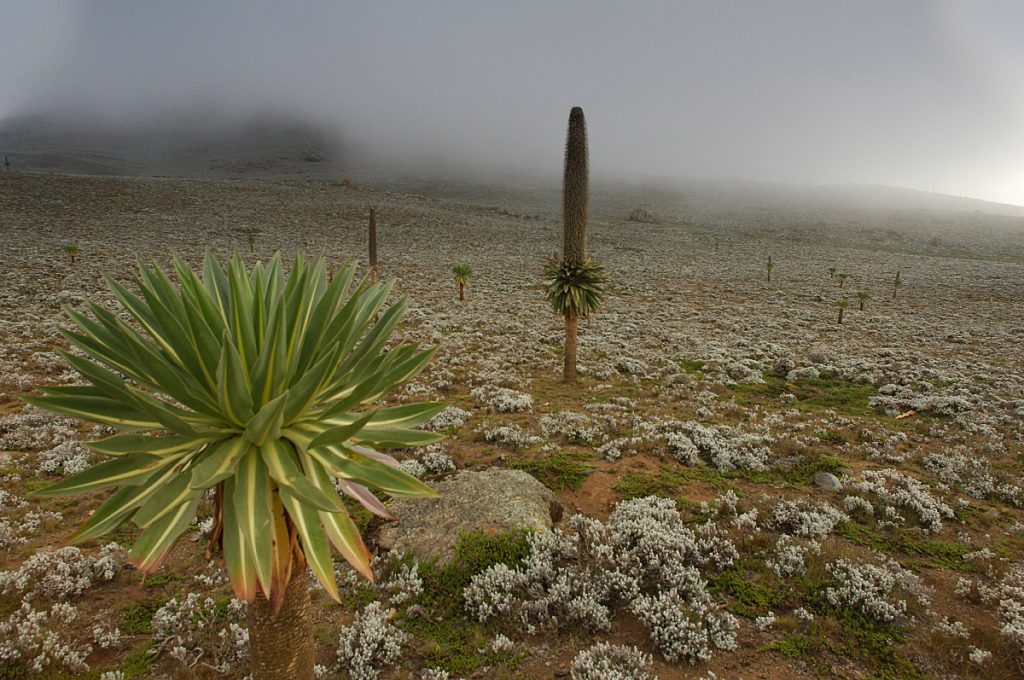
(574, 285)
(255, 388)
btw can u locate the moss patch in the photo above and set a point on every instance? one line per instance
(448, 638)
(925, 552)
(136, 618)
(812, 394)
(558, 472)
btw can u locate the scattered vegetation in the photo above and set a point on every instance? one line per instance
(862, 297)
(841, 305)
(559, 472)
(72, 251)
(462, 273)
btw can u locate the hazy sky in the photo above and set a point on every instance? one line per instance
(928, 95)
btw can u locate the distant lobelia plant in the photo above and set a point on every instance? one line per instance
(842, 279)
(831, 272)
(250, 236)
(862, 297)
(574, 284)
(842, 304)
(896, 284)
(771, 266)
(262, 383)
(7, 163)
(72, 250)
(462, 272)
(373, 244)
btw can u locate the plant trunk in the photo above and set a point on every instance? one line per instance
(571, 328)
(373, 244)
(862, 306)
(840, 316)
(281, 645)
(462, 292)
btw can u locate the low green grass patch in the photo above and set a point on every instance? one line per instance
(668, 481)
(750, 597)
(138, 663)
(855, 637)
(670, 478)
(558, 472)
(812, 394)
(136, 618)
(927, 552)
(449, 638)
(692, 366)
(157, 580)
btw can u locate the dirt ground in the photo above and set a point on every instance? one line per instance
(928, 383)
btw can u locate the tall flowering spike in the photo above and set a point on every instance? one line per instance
(575, 190)
(373, 243)
(574, 284)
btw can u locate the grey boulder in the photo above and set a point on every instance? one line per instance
(490, 500)
(828, 481)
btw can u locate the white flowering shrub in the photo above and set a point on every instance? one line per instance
(42, 639)
(60, 574)
(799, 518)
(974, 475)
(891, 492)
(954, 629)
(67, 458)
(644, 558)
(576, 428)
(803, 616)
(723, 448)
(193, 628)
(404, 586)
(978, 656)
(790, 557)
(896, 399)
(765, 623)
(877, 591)
(1010, 594)
(684, 625)
(510, 436)
(631, 366)
(372, 644)
(605, 661)
(614, 449)
(414, 468)
(502, 399)
(433, 674)
(452, 418)
(501, 644)
(16, 530)
(435, 461)
(32, 429)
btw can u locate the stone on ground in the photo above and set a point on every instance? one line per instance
(490, 500)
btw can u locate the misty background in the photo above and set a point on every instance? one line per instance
(924, 95)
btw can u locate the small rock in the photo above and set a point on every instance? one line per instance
(827, 480)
